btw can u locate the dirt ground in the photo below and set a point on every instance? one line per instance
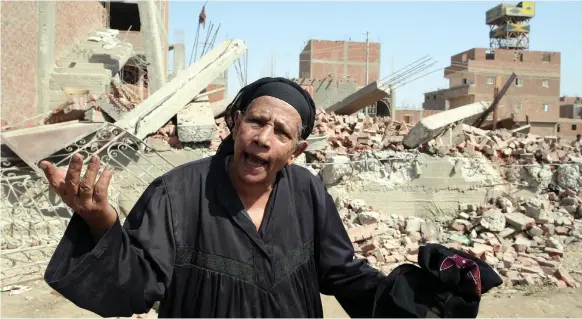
(528, 302)
(40, 302)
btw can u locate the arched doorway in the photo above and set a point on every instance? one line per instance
(382, 108)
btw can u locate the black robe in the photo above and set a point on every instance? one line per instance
(187, 244)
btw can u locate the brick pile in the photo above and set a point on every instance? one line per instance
(166, 134)
(515, 147)
(349, 134)
(524, 240)
(352, 134)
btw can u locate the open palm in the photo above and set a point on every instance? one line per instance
(86, 196)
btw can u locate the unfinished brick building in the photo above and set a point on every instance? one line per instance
(38, 35)
(533, 98)
(570, 122)
(345, 60)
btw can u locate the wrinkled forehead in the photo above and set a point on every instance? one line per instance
(275, 109)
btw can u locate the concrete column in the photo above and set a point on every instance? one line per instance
(392, 103)
(179, 57)
(153, 44)
(346, 59)
(45, 53)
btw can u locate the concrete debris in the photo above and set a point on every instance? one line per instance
(196, 122)
(521, 249)
(35, 144)
(435, 125)
(155, 111)
(370, 94)
(353, 134)
(338, 168)
(15, 289)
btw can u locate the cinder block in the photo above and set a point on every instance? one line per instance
(196, 122)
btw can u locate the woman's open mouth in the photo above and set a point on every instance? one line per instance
(254, 161)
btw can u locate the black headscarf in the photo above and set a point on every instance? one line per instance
(281, 88)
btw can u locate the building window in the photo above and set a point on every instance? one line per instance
(130, 74)
(124, 16)
(464, 81)
(546, 57)
(546, 83)
(546, 107)
(489, 55)
(371, 110)
(518, 82)
(573, 127)
(490, 79)
(407, 119)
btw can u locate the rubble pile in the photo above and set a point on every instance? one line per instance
(351, 134)
(125, 96)
(524, 240)
(166, 134)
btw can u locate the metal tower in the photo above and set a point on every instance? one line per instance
(510, 25)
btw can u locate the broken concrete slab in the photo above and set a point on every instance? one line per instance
(356, 101)
(474, 130)
(433, 126)
(35, 144)
(196, 122)
(147, 117)
(105, 105)
(316, 142)
(523, 129)
(452, 136)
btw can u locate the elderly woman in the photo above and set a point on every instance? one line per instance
(244, 233)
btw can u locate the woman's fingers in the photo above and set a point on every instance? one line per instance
(73, 177)
(100, 191)
(51, 172)
(87, 184)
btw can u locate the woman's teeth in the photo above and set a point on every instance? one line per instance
(255, 161)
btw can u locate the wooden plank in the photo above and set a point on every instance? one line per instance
(496, 87)
(495, 100)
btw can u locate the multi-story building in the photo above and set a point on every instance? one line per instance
(321, 59)
(327, 91)
(533, 98)
(570, 122)
(37, 34)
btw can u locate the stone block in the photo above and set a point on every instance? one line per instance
(519, 220)
(196, 123)
(338, 167)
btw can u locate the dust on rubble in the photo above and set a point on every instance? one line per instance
(524, 240)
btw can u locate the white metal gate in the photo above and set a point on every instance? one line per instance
(33, 218)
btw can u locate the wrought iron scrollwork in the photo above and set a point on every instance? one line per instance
(34, 218)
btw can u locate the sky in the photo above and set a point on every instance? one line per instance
(406, 30)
